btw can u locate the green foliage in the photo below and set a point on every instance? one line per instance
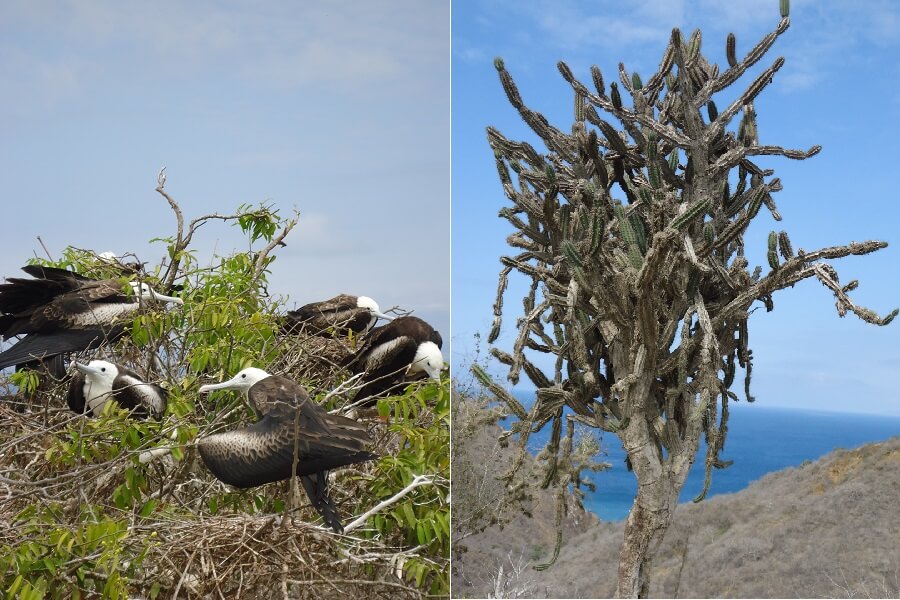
(421, 424)
(60, 559)
(26, 380)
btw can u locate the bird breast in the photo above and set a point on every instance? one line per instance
(104, 313)
(96, 397)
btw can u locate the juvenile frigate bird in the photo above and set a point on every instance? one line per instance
(60, 311)
(100, 381)
(291, 427)
(341, 314)
(406, 345)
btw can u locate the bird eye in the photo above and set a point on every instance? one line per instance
(103, 369)
(244, 376)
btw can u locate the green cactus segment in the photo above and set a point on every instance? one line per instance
(636, 81)
(597, 76)
(730, 44)
(639, 232)
(682, 221)
(629, 236)
(563, 221)
(673, 160)
(572, 254)
(502, 171)
(671, 82)
(694, 49)
(890, 317)
(653, 174)
(756, 202)
(785, 7)
(615, 96)
(772, 254)
(596, 230)
(709, 232)
(784, 244)
(712, 111)
(613, 137)
(579, 107)
(551, 174)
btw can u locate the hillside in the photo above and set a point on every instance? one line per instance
(497, 561)
(825, 529)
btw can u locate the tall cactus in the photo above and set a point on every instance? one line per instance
(634, 243)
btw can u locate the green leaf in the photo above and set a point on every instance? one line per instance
(409, 514)
(149, 507)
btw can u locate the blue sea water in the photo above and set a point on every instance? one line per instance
(760, 440)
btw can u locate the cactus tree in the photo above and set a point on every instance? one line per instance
(631, 229)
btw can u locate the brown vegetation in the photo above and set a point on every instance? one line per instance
(825, 529)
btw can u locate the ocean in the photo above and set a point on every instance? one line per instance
(760, 440)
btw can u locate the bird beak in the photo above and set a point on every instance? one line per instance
(86, 369)
(163, 298)
(225, 385)
(381, 315)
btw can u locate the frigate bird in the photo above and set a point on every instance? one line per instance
(60, 311)
(406, 345)
(100, 381)
(339, 315)
(292, 428)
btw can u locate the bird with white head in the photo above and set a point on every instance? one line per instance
(100, 381)
(292, 429)
(338, 316)
(60, 311)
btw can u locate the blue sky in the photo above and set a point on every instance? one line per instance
(840, 88)
(341, 110)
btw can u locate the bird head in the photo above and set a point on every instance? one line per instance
(98, 372)
(372, 307)
(145, 292)
(242, 382)
(428, 359)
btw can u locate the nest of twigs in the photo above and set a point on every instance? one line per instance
(185, 548)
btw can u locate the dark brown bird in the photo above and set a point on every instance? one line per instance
(60, 311)
(337, 316)
(291, 425)
(405, 345)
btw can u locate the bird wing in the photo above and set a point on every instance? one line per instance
(37, 346)
(377, 336)
(138, 396)
(436, 338)
(21, 297)
(75, 395)
(264, 451)
(54, 274)
(340, 312)
(93, 303)
(387, 357)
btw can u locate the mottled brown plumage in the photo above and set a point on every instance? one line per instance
(337, 316)
(291, 424)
